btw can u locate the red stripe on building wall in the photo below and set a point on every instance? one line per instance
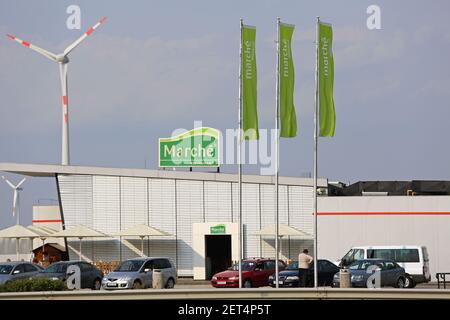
(43, 221)
(380, 213)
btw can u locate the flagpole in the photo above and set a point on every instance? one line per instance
(277, 156)
(316, 101)
(239, 155)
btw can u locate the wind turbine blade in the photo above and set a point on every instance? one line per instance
(44, 52)
(9, 182)
(20, 183)
(84, 36)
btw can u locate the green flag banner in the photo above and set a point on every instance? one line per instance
(288, 118)
(327, 116)
(248, 70)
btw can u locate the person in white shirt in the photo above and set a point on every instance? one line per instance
(304, 262)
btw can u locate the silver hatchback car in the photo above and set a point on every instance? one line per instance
(138, 274)
(10, 271)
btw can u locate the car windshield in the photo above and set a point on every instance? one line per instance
(56, 268)
(353, 255)
(129, 266)
(5, 269)
(246, 266)
(363, 265)
(292, 266)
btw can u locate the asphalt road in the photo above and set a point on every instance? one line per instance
(184, 283)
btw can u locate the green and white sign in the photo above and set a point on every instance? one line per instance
(198, 147)
(220, 228)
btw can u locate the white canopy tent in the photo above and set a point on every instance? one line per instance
(80, 232)
(141, 231)
(283, 230)
(18, 232)
(43, 232)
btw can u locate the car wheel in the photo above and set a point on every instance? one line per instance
(137, 284)
(170, 284)
(409, 282)
(247, 283)
(97, 284)
(400, 283)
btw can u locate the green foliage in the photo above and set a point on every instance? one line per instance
(36, 284)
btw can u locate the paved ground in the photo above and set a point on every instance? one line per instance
(188, 283)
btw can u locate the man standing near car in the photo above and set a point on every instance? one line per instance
(304, 261)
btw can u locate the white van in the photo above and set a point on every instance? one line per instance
(414, 259)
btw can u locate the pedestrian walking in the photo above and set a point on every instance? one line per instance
(304, 262)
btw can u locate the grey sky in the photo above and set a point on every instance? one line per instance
(155, 66)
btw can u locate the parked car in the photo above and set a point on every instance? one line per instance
(10, 271)
(91, 276)
(414, 259)
(138, 274)
(255, 273)
(289, 276)
(391, 274)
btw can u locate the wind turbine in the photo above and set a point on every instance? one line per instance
(63, 60)
(16, 202)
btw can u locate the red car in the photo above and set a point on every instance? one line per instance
(255, 273)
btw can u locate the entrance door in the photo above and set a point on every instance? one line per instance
(217, 254)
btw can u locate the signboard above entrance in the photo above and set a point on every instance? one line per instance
(220, 228)
(198, 147)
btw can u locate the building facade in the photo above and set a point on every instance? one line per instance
(190, 206)
(344, 222)
(200, 212)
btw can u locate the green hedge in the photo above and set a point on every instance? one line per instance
(37, 284)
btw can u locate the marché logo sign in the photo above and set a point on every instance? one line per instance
(198, 147)
(220, 228)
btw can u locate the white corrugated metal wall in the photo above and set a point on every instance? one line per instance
(189, 211)
(106, 208)
(250, 219)
(217, 201)
(76, 196)
(162, 215)
(76, 192)
(300, 216)
(111, 203)
(133, 211)
(267, 218)
(283, 218)
(106, 204)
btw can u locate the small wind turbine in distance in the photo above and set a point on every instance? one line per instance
(63, 60)
(16, 201)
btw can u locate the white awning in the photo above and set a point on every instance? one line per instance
(141, 230)
(79, 231)
(17, 231)
(283, 230)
